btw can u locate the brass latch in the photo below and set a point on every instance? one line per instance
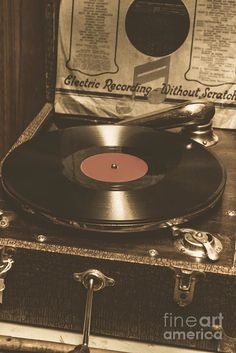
(226, 344)
(185, 282)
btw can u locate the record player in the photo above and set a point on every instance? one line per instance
(126, 204)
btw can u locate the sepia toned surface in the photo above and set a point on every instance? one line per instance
(45, 269)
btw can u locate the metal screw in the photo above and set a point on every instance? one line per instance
(176, 231)
(204, 143)
(153, 252)
(41, 238)
(189, 146)
(10, 251)
(74, 224)
(4, 222)
(231, 213)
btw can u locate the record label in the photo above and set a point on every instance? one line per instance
(113, 178)
(114, 167)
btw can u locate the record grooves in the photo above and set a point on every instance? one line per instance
(146, 178)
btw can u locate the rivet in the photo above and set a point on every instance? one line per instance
(189, 146)
(41, 238)
(199, 235)
(3, 224)
(153, 252)
(204, 143)
(231, 213)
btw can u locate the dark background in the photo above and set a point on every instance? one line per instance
(22, 66)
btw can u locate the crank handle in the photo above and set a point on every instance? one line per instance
(93, 280)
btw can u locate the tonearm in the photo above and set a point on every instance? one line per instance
(195, 118)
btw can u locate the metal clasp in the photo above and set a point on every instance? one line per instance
(185, 281)
(226, 344)
(6, 263)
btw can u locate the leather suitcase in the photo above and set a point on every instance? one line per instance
(157, 289)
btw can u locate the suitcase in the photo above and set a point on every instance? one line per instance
(155, 292)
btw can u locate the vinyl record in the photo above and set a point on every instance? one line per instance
(113, 178)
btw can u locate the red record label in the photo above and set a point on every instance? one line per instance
(114, 167)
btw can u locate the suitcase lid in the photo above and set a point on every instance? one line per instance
(146, 42)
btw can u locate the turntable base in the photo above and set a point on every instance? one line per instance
(113, 178)
(143, 266)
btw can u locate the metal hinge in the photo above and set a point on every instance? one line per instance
(185, 282)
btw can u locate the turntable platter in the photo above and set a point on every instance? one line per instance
(113, 178)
